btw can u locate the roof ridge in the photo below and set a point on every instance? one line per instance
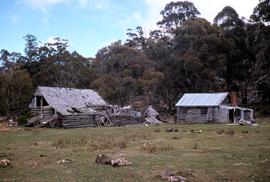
(65, 88)
(207, 93)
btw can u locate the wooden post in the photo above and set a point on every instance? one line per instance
(41, 107)
(35, 101)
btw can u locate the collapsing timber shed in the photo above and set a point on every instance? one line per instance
(210, 107)
(77, 108)
(67, 107)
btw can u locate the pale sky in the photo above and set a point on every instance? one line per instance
(90, 25)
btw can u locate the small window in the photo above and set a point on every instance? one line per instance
(204, 111)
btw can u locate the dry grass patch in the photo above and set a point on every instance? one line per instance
(63, 143)
(152, 148)
(149, 148)
(98, 144)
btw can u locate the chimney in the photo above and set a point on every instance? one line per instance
(234, 99)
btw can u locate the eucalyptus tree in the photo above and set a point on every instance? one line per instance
(176, 13)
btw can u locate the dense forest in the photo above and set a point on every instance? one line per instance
(185, 54)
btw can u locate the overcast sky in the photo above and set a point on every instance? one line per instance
(90, 25)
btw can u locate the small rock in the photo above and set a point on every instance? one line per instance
(220, 132)
(175, 138)
(176, 179)
(196, 131)
(4, 162)
(175, 130)
(157, 130)
(230, 132)
(103, 159)
(244, 131)
(35, 165)
(169, 129)
(171, 177)
(120, 162)
(242, 164)
(64, 161)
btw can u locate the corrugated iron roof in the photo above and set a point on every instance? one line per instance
(63, 99)
(202, 99)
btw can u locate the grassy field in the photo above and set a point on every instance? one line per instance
(212, 155)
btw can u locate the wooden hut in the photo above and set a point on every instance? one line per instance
(210, 107)
(67, 107)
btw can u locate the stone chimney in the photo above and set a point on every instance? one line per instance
(234, 98)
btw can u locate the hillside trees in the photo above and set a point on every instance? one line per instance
(124, 72)
(239, 59)
(176, 13)
(261, 12)
(198, 48)
(15, 84)
(58, 67)
(259, 41)
(31, 47)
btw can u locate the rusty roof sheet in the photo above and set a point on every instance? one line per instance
(202, 99)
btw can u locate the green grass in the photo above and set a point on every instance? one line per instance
(206, 156)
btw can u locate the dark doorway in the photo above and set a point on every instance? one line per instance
(45, 103)
(231, 115)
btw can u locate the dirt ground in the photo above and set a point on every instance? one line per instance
(4, 127)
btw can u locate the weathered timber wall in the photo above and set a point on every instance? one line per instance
(78, 121)
(46, 111)
(191, 115)
(121, 120)
(35, 111)
(221, 115)
(195, 115)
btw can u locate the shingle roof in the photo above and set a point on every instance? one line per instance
(202, 99)
(63, 99)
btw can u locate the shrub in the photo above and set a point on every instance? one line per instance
(22, 119)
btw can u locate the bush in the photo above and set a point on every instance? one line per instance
(22, 119)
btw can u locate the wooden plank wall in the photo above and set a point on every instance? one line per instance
(221, 115)
(78, 121)
(194, 115)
